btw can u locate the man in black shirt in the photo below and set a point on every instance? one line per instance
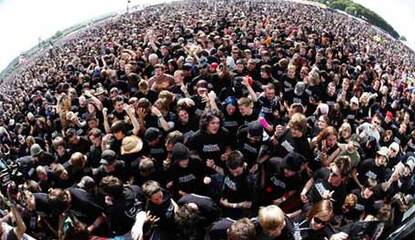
(122, 205)
(372, 168)
(110, 166)
(186, 173)
(77, 143)
(328, 183)
(282, 180)
(250, 139)
(207, 207)
(237, 195)
(292, 139)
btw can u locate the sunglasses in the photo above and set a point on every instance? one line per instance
(319, 221)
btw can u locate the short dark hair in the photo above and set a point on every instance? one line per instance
(235, 160)
(117, 99)
(119, 126)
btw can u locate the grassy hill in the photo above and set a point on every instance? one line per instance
(358, 10)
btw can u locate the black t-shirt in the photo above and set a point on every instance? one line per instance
(369, 169)
(119, 115)
(232, 122)
(189, 179)
(217, 231)
(287, 144)
(303, 231)
(238, 189)
(276, 184)
(321, 185)
(94, 157)
(210, 146)
(207, 207)
(42, 205)
(121, 214)
(157, 151)
(253, 117)
(267, 106)
(249, 149)
(84, 205)
(119, 171)
(151, 95)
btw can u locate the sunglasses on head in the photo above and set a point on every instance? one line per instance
(333, 173)
(319, 221)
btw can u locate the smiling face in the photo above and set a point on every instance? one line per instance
(213, 126)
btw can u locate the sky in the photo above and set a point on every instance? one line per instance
(24, 22)
(400, 14)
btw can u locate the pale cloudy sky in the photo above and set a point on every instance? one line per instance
(23, 22)
(398, 13)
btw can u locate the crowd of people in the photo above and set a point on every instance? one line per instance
(211, 120)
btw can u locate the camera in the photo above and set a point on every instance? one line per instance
(9, 173)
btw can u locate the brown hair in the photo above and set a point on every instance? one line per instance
(161, 104)
(326, 132)
(167, 96)
(57, 169)
(243, 229)
(322, 206)
(112, 186)
(343, 163)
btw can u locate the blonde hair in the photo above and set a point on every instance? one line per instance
(350, 201)
(167, 96)
(161, 104)
(270, 217)
(298, 121)
(245, 101)
(78, 160)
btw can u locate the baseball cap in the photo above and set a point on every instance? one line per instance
(107, 156)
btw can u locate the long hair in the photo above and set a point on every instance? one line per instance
(207, 117)
(322, 206)
(328, 131)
